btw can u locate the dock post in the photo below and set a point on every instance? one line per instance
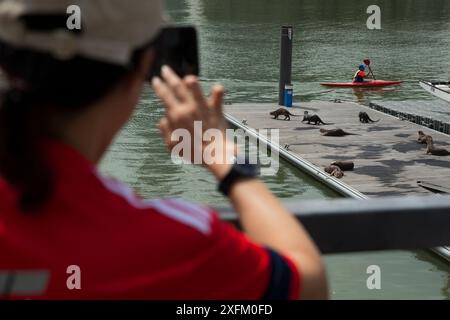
(287, 36)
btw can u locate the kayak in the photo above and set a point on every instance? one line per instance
(439, 89)
(372, 83)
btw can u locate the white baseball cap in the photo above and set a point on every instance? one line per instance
(111, 30)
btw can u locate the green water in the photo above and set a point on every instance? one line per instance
(240, 47)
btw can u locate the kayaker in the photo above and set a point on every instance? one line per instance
(69, 232)
(360, 75)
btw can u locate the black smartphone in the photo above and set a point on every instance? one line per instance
(176, 47)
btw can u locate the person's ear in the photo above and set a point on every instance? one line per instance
(145, 63)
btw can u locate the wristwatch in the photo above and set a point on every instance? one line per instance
(239, 171)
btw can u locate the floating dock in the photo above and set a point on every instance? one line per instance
(388, 159)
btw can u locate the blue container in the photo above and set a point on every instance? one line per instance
(288, 95)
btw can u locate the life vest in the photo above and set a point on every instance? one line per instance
(356, 74)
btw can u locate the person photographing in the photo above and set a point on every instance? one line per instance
(68, 96)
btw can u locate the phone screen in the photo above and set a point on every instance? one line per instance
(176, 47)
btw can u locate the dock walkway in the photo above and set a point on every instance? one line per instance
(388, 160)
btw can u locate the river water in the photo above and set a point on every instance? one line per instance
(240, 49)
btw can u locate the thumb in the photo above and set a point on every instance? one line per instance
(164, 127)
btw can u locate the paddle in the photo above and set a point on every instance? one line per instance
(367, 63)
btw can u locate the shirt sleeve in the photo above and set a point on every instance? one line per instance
(240, 269)
(283, 280)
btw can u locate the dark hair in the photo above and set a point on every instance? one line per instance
(40, 86)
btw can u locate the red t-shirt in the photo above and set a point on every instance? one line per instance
(96, 239)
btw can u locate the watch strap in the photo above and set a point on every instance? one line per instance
(231, 178)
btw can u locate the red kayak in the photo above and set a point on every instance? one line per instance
(372, 83)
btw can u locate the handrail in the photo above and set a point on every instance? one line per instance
(392, 223)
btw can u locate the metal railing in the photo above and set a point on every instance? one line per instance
(393, 223)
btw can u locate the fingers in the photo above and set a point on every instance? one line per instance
(215, 100)
(196, 91)
(176, 84)
(185, 103)
(164, 93)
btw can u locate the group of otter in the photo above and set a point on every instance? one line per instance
(337, 168)
(431, 149)
(316, 120)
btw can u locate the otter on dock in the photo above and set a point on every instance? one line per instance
(315, 119)
(282, 112)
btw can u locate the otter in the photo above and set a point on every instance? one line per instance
(282, 112)
(314, 118)
(423, 137)
(334, 171)
(431, 149)
(364, 118)
(344, 165)
(335, 132)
